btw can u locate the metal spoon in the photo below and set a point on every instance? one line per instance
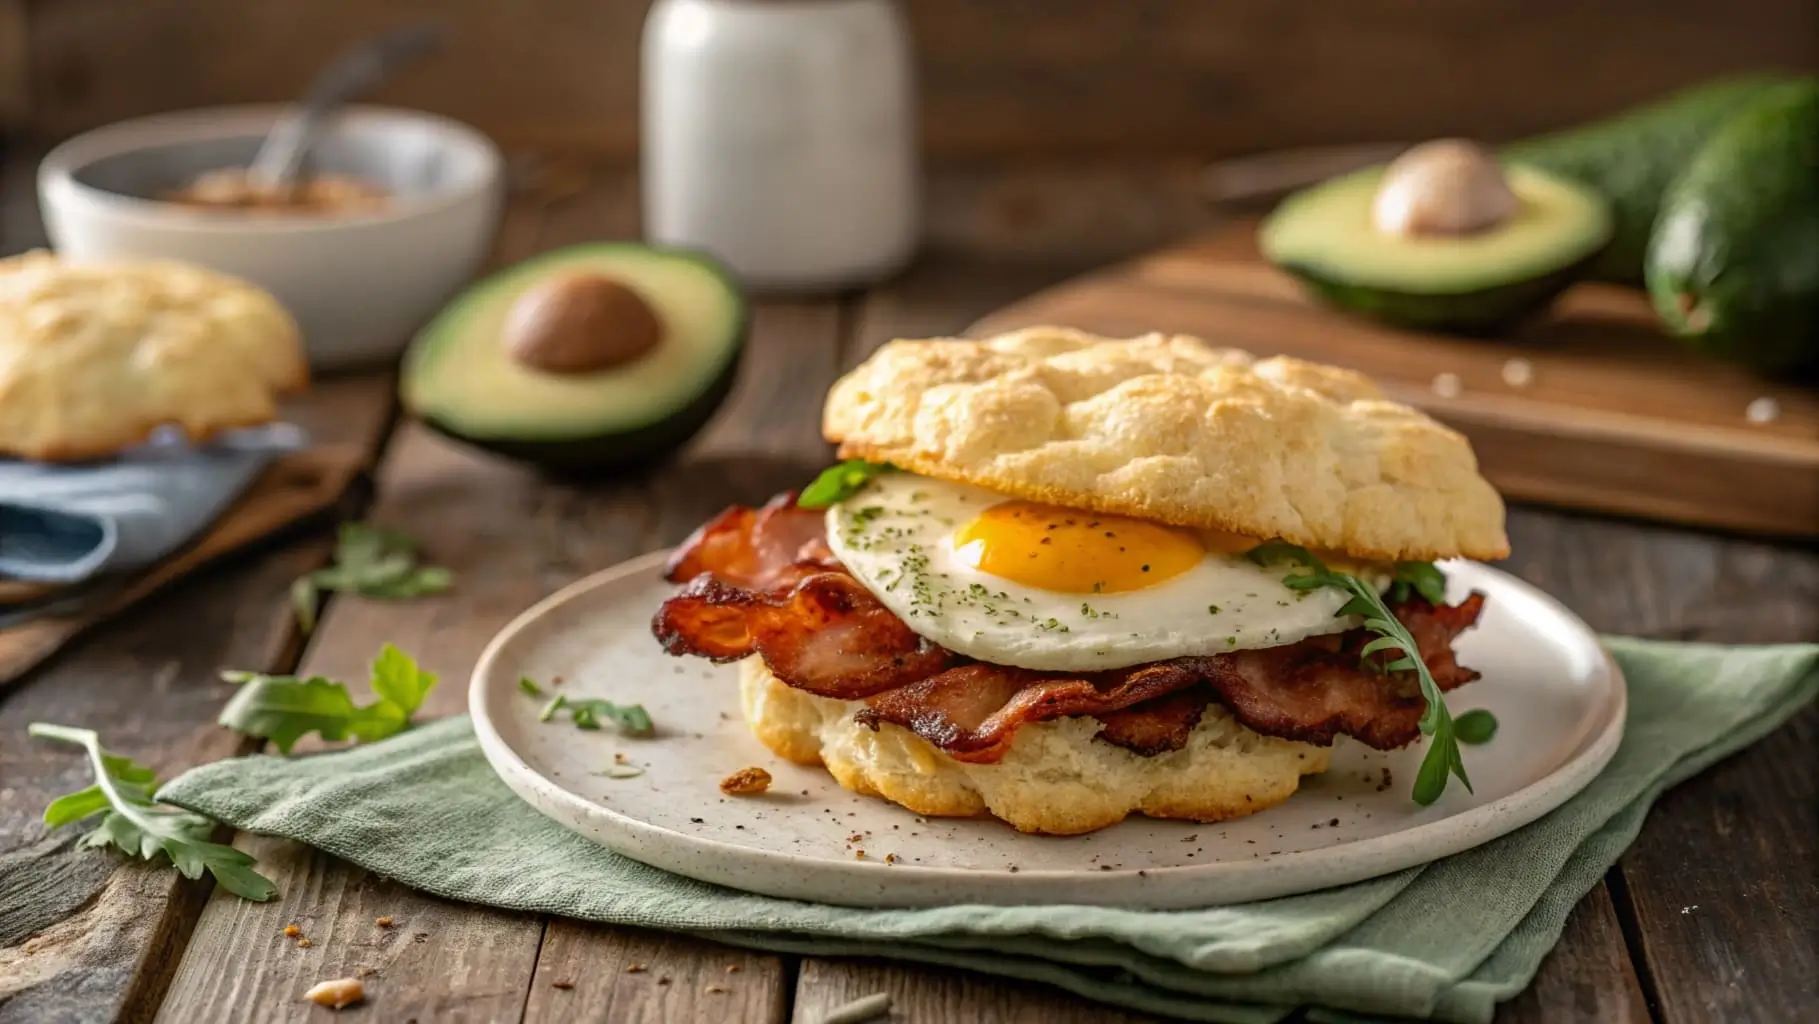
(280, 158)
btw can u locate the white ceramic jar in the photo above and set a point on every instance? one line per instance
(780, 136)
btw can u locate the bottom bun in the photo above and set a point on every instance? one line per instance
(1055, 778)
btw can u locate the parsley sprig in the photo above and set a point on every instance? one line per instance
(372, 561)
(284, 709)
(1444, 732)
(840, 482)
(133, 820)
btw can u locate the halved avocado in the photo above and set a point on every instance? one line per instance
(596, 357)
(1471, 281)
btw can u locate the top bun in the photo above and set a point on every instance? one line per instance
(1171, 429)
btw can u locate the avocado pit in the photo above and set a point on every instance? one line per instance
(1448, 187)
(580, 323)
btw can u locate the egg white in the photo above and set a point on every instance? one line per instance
(897, 538)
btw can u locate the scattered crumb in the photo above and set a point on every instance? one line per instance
(1518, 373)
(1688, 910)
(859, 1010)
(890, 858)
(1105, 867)
(1448, 385)
(716, 989)
(619, 758)
(1015, 869)
(733, 968)
(1763, 410)
(562, 983)
(1193, 838)
(384, 922)
(1333, 824)
(697, 821)
(859, 854)
(365, 972)
(304, 943)
(291, 931)
(662, 979)
(635, 968)
(555, 680)
(336, 994)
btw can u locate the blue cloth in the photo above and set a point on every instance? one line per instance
(64, 524)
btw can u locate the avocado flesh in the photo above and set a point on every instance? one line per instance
(1631, 158)
(460, 378)
(1472, 283)
(1733, 267)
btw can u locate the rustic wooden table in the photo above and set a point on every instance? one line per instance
(1709, 917)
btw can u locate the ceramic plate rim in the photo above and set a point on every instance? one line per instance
(744, 867)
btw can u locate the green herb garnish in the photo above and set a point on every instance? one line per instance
(586, 713)
(1421, 578)
(133, 820)
(371, 561)
(529, 686)
(1442, 759)
(840, 482)
(1475, 727)
(284, 709)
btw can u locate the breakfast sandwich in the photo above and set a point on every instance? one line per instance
(1063, 578)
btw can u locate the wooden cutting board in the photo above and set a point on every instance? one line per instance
(1614, 417)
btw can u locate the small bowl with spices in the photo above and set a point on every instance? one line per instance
(399, 210)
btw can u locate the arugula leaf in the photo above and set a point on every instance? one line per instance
(134, 821)
(1422, 578)
(840, 482)
(1442, 759)
(586, 713)
(372, 561)
(284, 709)
(1475, 727)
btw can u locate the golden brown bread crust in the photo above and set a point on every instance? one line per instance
(95, 358)
(1175, 430)
(1055, 779)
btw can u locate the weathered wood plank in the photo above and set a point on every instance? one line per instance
(1724, 886)
(634, 976)
(115, 954)
(926, 993)
(1589, 976)
(996, 77)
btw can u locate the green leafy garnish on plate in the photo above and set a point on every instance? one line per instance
(372, 561)
(840, 482)
(1444, 734)
(284, 709)
(586, 713)
(132, 820)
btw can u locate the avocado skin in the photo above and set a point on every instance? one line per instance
(1737, 242)
(1632, 158)
(1485, 312)
(623, 453)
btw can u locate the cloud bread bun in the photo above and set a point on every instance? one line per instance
(1054, 779)
(1171, 429)
(95, 357)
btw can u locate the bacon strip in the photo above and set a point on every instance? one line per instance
(764, 582)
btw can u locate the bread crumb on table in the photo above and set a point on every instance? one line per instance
(337, 993)
(635, 968)
(291, 931)
(304, 943)
(383, 922)
(562, 983)
(746, 782)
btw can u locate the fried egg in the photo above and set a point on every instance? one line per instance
(1037, 586)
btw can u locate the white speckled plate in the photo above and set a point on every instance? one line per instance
(1560, 701)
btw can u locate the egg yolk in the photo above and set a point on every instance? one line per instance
(1072, 551)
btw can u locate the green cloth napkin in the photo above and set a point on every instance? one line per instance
(1447, 941)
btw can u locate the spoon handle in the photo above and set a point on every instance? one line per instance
(280, 157)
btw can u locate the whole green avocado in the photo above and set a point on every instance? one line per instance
(1733, 264)
(1632, 158)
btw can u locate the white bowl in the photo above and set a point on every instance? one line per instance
(359, 285)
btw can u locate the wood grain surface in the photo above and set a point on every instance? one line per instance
(996, 77)
(1613, 416)
(1738, 841)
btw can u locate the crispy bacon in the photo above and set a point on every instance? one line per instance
(764, 582)
(1155, 726)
